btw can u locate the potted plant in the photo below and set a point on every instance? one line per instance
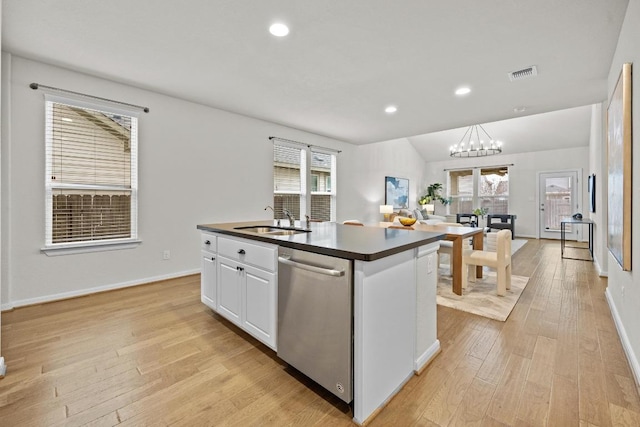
(481, 212)
(434, 192)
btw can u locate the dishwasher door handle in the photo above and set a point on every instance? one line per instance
(312, 268)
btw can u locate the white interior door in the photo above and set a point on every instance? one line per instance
(558, 199)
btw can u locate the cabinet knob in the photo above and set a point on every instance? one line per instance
(241, 251)
(240, 268)
(213, 258)
(207, 242)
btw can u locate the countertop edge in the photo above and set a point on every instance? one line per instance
(434, 237)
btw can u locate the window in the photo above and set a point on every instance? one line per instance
(479, 188)
(91, 175)
(461, 191)
(493, 190)
(322, 196)
(290, 171)
(288, 164)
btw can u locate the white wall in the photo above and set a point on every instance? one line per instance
(623, 291)
(523, 197)
(598, 166)
(370, 164)
(197, 165)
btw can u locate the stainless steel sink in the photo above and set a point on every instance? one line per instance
(272, 231)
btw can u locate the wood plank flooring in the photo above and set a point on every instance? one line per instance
(154, 355)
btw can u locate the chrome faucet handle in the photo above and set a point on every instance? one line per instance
(292, 219)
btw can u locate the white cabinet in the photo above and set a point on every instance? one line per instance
(244, 284)
(209, 275)
(229, 289)
(259, 308)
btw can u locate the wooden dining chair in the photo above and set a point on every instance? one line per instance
(500, 259)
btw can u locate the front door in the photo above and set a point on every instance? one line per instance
(558, 199)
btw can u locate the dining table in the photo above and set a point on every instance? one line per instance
(457, 235)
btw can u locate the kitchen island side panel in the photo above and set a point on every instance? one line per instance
(384, 330)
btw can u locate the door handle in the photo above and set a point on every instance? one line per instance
(312, 268)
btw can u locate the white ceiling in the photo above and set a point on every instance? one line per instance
(546, 131)
(344, 61)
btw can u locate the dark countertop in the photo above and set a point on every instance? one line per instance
(342, 241)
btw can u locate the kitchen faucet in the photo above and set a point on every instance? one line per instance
(274, 214)
(292, 220)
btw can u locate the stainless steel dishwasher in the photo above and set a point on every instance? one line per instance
(315, 320)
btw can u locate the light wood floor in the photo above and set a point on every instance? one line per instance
(154, 355)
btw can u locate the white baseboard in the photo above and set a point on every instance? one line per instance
(526, 236)
(82, 292)
(624, 338)
(601, 272)
(427, 356)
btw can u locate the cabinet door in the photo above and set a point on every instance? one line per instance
(208, 280)
(229, 289)
(259, 316)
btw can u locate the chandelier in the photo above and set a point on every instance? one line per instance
(473, 144)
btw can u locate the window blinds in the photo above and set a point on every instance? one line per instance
(91, 174)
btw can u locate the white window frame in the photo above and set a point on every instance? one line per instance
(475, 196)
(306, 152)
(55, 249)
(332, 193)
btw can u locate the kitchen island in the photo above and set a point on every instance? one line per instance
(393, 283)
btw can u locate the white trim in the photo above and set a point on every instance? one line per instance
(427, 356)
(97, 289)
(578, 194)
(601, 272)
(624, 338)
(94, 246)
(7, 192)
(3, 368)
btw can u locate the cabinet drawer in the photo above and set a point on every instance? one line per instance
(249, 252)
(208, 242)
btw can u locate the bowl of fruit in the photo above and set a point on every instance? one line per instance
(407, 221)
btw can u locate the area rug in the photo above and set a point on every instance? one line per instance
(480, 296)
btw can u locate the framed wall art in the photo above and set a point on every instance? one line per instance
(396, 192)
(619, 146)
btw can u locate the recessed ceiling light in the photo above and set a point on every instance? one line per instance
(391, 109)
(462, 90)
(279, 30)
(519, 109)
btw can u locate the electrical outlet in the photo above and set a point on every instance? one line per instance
(166, 254)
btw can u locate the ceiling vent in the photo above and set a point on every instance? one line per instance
(525, 73)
